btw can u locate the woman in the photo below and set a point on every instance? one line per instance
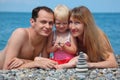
(91, 40)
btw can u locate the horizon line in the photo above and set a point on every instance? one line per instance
(31, 12)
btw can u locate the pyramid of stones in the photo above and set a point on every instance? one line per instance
(82, 66)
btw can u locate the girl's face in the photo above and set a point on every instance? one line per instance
(61, 26)
(76, 27)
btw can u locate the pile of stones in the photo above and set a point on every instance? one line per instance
(82, 67)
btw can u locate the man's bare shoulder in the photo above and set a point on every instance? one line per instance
(20, 33)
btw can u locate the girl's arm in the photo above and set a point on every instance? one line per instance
(73, 48)
(50, 46)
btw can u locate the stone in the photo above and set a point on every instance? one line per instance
(85, 66)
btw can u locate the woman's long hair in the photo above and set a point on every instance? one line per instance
(95, 42)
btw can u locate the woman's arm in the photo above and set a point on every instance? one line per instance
(110, 62)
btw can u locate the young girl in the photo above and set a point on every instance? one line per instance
(61, 43)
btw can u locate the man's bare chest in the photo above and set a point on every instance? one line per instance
(30, 52)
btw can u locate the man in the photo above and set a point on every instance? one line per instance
(27, 43)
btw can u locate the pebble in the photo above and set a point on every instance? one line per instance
(62, 74)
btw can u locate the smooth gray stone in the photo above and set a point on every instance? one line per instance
(81, 69)
(82, 66)
(81, 61)
(81, 58)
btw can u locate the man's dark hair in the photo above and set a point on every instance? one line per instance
(37, 9)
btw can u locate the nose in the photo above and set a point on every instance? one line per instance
(71, 26)
(61, 25)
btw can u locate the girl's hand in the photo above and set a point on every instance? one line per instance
(57, 46)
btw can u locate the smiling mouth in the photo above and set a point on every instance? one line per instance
(47, 31)
(73, 31)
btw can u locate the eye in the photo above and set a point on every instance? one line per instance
(57, 24)
(51, 23)
(70, 22)
(43, 22)
(76, 23)
(65, 23)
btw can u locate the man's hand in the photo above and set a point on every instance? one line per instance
(15, 63)
(44, 63)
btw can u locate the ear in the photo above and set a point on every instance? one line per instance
(32, 21)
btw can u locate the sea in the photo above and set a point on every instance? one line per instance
(108, 22)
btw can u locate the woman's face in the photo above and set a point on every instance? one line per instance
(76, 27)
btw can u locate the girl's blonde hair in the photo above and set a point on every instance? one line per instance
(61, 12)
(95, 42)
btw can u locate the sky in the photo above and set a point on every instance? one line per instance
(96, 6)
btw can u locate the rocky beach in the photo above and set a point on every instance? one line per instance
(63, 74)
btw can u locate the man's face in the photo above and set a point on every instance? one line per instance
(44, 23)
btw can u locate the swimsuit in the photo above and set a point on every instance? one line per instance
(61, 56)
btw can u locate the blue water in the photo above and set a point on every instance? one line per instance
(108, 22)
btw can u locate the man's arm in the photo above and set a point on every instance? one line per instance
(40, 63)
(17, 62)
(14, 46)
